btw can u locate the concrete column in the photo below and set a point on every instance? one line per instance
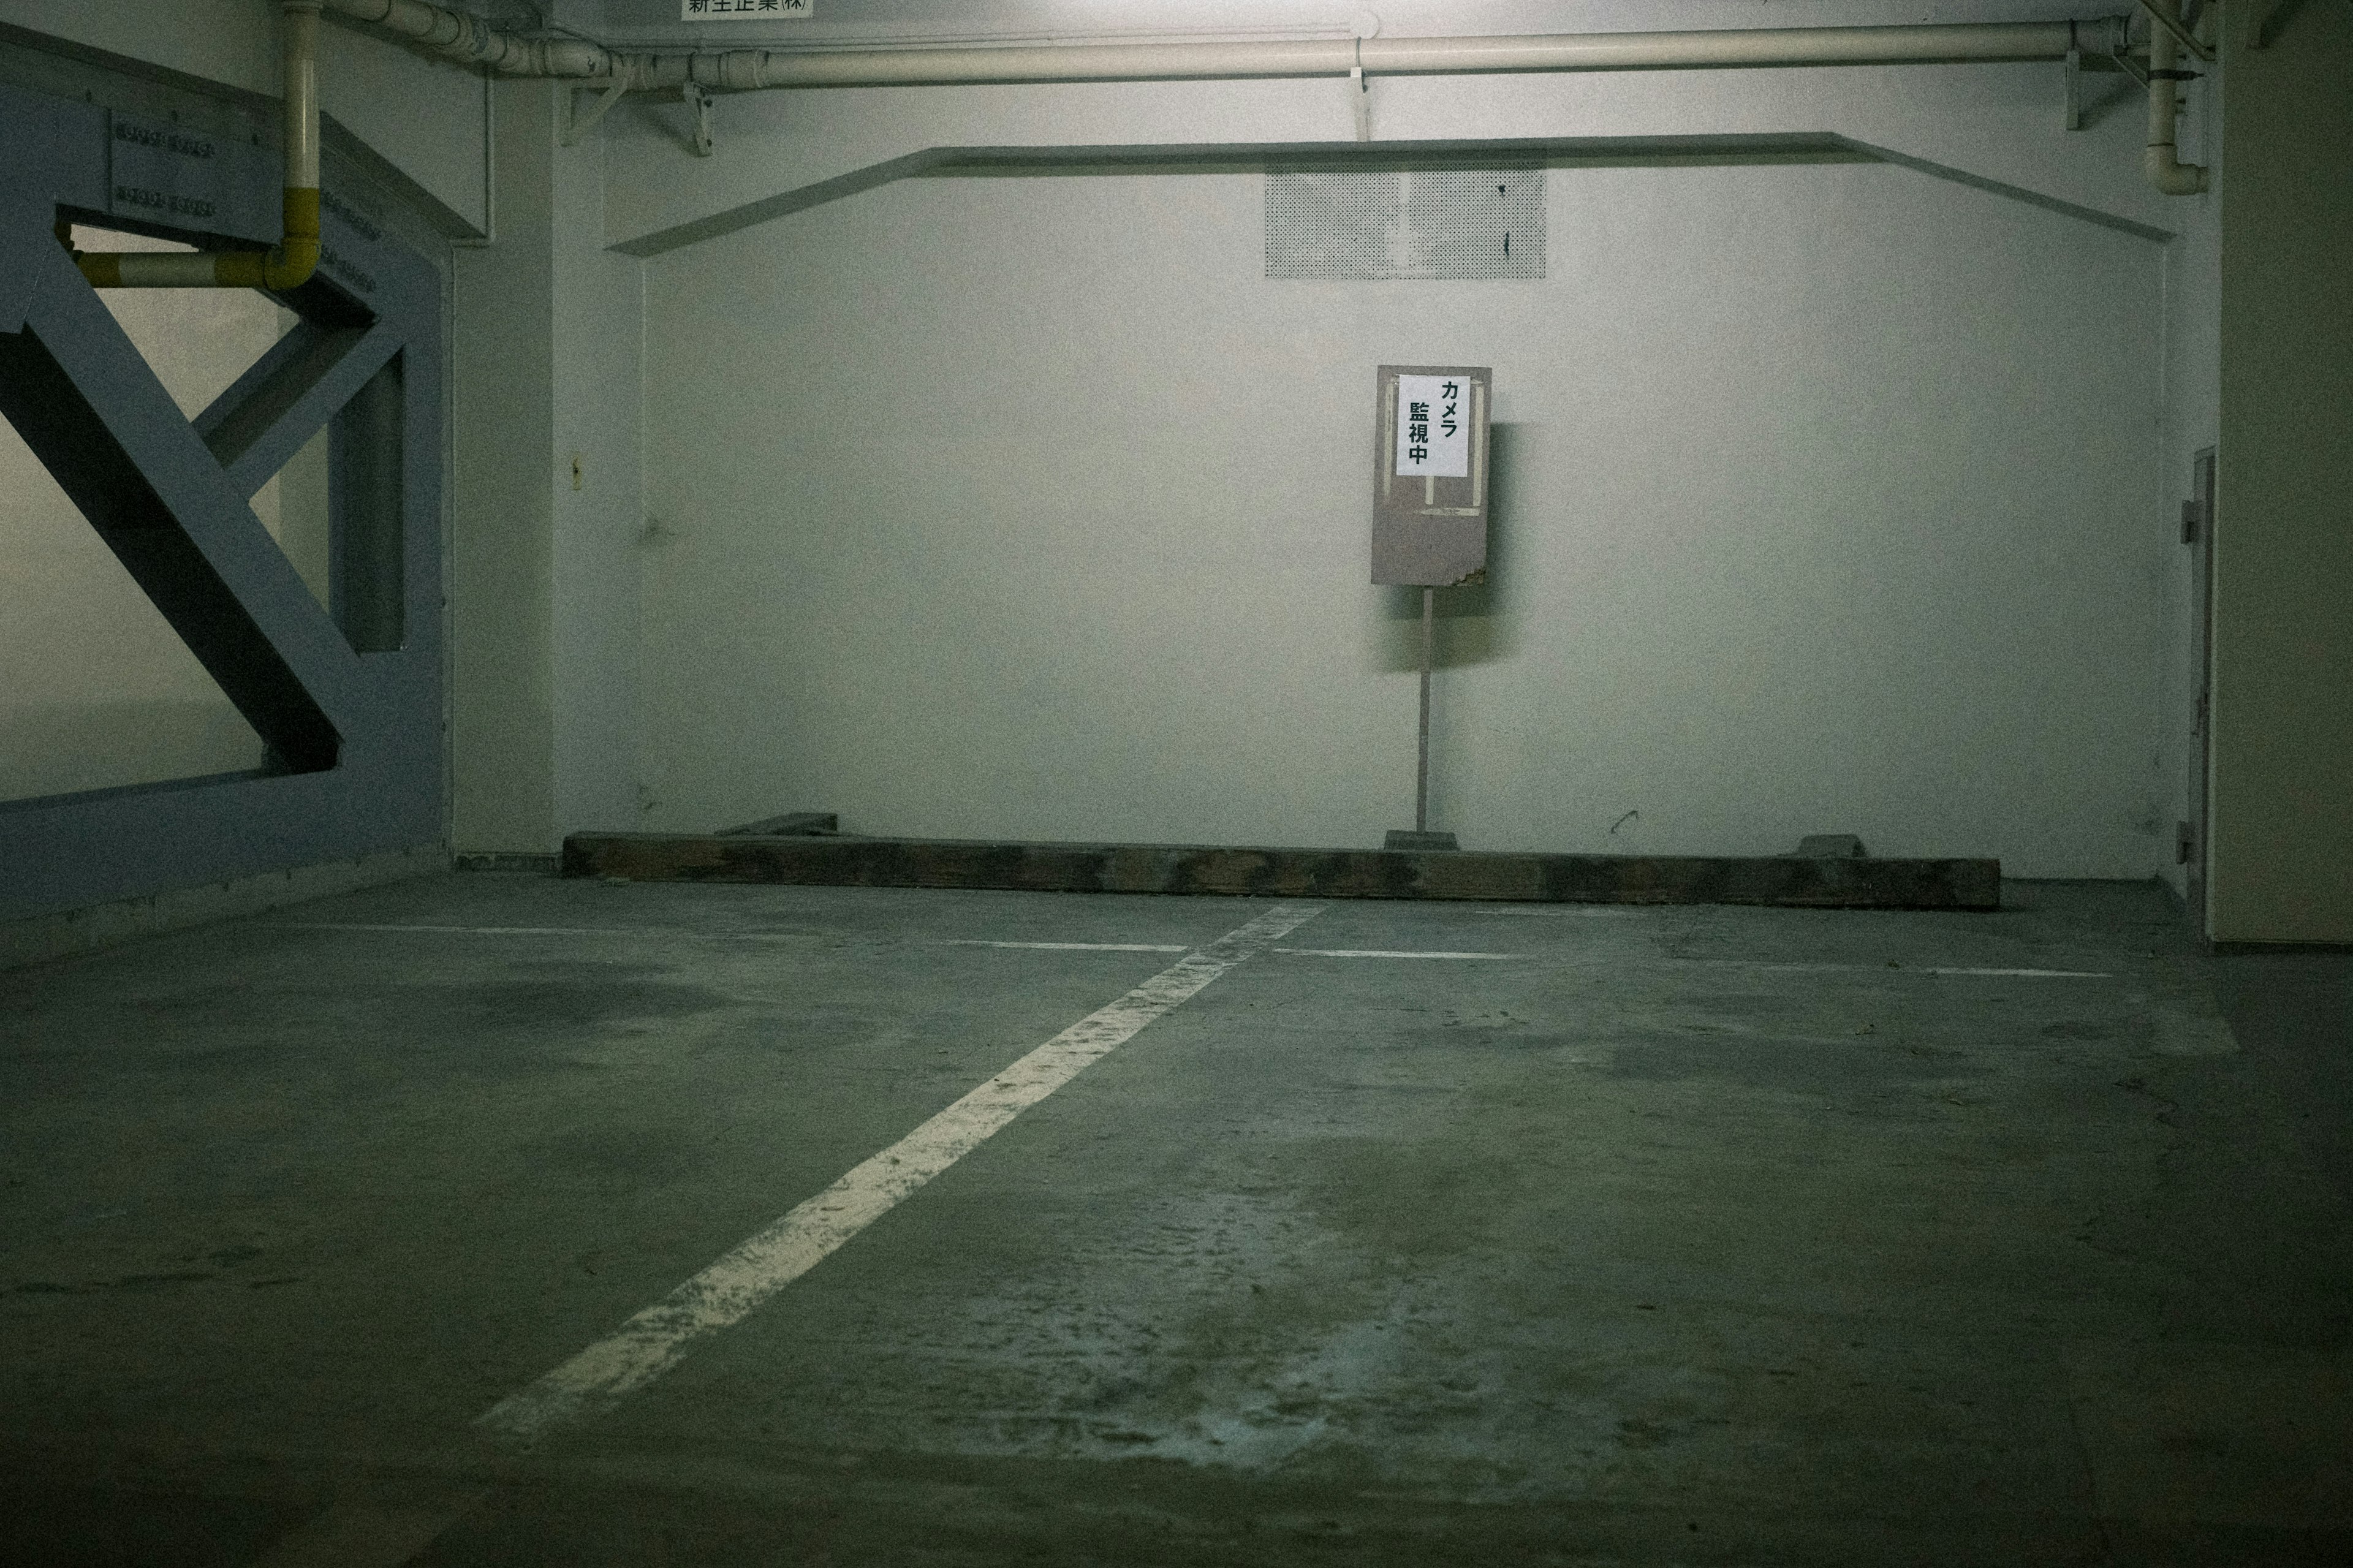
(2282, 759)
(502, 546)
(599, 506)
(549, 505)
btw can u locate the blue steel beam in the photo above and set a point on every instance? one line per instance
(358, 735)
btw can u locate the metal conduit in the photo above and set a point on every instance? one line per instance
(1376, 57)
(470, 40)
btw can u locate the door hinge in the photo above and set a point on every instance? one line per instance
(2185, 843)
(2193, 516)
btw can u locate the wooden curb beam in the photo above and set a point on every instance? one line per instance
(1788, 881)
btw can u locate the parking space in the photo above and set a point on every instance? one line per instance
(1578, 1234)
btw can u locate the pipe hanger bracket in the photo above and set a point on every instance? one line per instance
(1360, 95)
(698, 98)
(577, 124)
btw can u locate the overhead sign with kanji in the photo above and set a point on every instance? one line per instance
(743, 10)
(1430, 475)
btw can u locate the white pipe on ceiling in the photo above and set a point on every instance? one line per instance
(460, 37)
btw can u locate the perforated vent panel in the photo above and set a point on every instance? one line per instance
(1421, 223)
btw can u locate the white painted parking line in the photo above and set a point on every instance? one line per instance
(1906, 969)
(1075, 946)
(1384, 953)
(462, 930)
(709, 936)
(654, 1340)
(1613, 962)
(1566, 911)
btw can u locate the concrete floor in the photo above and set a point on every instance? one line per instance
(1678, 1236)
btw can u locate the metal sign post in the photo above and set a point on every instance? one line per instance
(1421, 748)
(1429, 514)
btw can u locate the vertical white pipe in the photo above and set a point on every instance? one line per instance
(302, 70)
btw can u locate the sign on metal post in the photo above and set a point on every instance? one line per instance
(1430, 481)
(1429, 514)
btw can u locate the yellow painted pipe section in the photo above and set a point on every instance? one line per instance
(289, 266)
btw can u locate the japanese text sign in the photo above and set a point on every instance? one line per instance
(743, 10)
(1433, 426)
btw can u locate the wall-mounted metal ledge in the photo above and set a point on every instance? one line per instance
(1551, 152)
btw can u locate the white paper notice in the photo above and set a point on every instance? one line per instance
(1434, 433)
(743, 10)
